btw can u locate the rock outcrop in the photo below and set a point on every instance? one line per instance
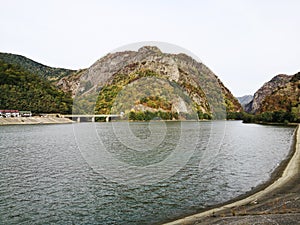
(71, 82)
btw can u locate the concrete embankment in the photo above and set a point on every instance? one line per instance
(277, 202)
(33, 120)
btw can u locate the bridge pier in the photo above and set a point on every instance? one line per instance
(93, 119)
(107, 119)
(78, 119)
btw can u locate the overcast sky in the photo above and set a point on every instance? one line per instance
(245, 43)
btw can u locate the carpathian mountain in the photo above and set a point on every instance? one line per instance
(177, 84)
(281, 93)
(163, 74)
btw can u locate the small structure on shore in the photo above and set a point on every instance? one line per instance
(9, 113)
(25, 113)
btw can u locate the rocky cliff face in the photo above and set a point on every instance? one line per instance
(110, 74)
(71, 82)
(267, 89)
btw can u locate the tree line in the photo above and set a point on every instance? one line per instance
(280, 116)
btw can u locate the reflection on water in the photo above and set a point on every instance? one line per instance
(45, 179)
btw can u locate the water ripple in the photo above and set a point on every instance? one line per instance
(45, 180)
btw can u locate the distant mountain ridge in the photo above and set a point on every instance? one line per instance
(244, 100)
(50, 73)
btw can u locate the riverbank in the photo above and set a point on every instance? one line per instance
(33, 120)
(276, 202)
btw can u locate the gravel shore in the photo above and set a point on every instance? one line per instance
(276, 202)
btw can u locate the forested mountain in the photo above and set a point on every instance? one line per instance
(267, 89)
(29, 85)
(173, 84)
(285, 98)
(176, 84)
(278, 100)
(50, 73)
(24, 90)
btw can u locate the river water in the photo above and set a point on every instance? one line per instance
(146, 173)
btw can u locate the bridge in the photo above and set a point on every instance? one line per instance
(78, 117)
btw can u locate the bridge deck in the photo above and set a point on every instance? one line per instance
(91, 116)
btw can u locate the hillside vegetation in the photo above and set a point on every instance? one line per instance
(176, 86)
(286, 98)
(277, 101)
(23, 90)
(49, 73)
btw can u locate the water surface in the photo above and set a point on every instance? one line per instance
(44, 178)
